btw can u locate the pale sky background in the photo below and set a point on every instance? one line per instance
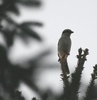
(57, 15)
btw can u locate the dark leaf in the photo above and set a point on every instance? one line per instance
(13, 9)
(10, 20)
(9, 6)
(31, 33)
(9, 37)
(32, 23)
(32, 3)
(24, 37)
(25, 29)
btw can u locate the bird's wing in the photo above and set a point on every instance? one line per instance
(64, 44)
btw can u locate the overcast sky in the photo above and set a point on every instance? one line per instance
(77, 15)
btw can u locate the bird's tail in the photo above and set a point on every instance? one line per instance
(64, 65)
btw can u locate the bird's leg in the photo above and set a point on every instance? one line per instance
(62, 57)
(59, 57)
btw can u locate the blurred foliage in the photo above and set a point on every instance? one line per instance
(10, 28)
(12, 75)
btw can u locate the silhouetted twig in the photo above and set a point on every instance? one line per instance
(18, 96)
(71, 89)
(34, 98)
(90, 89)
(76, 76)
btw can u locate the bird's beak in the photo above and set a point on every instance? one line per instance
(72, 32)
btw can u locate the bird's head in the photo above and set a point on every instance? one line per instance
(67, 32)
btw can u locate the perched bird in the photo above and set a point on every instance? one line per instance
(64, 46)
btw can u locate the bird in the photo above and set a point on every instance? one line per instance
(64, 47)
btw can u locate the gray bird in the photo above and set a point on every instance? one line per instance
(64, 46)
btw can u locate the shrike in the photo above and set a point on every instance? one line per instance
(64, 46)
